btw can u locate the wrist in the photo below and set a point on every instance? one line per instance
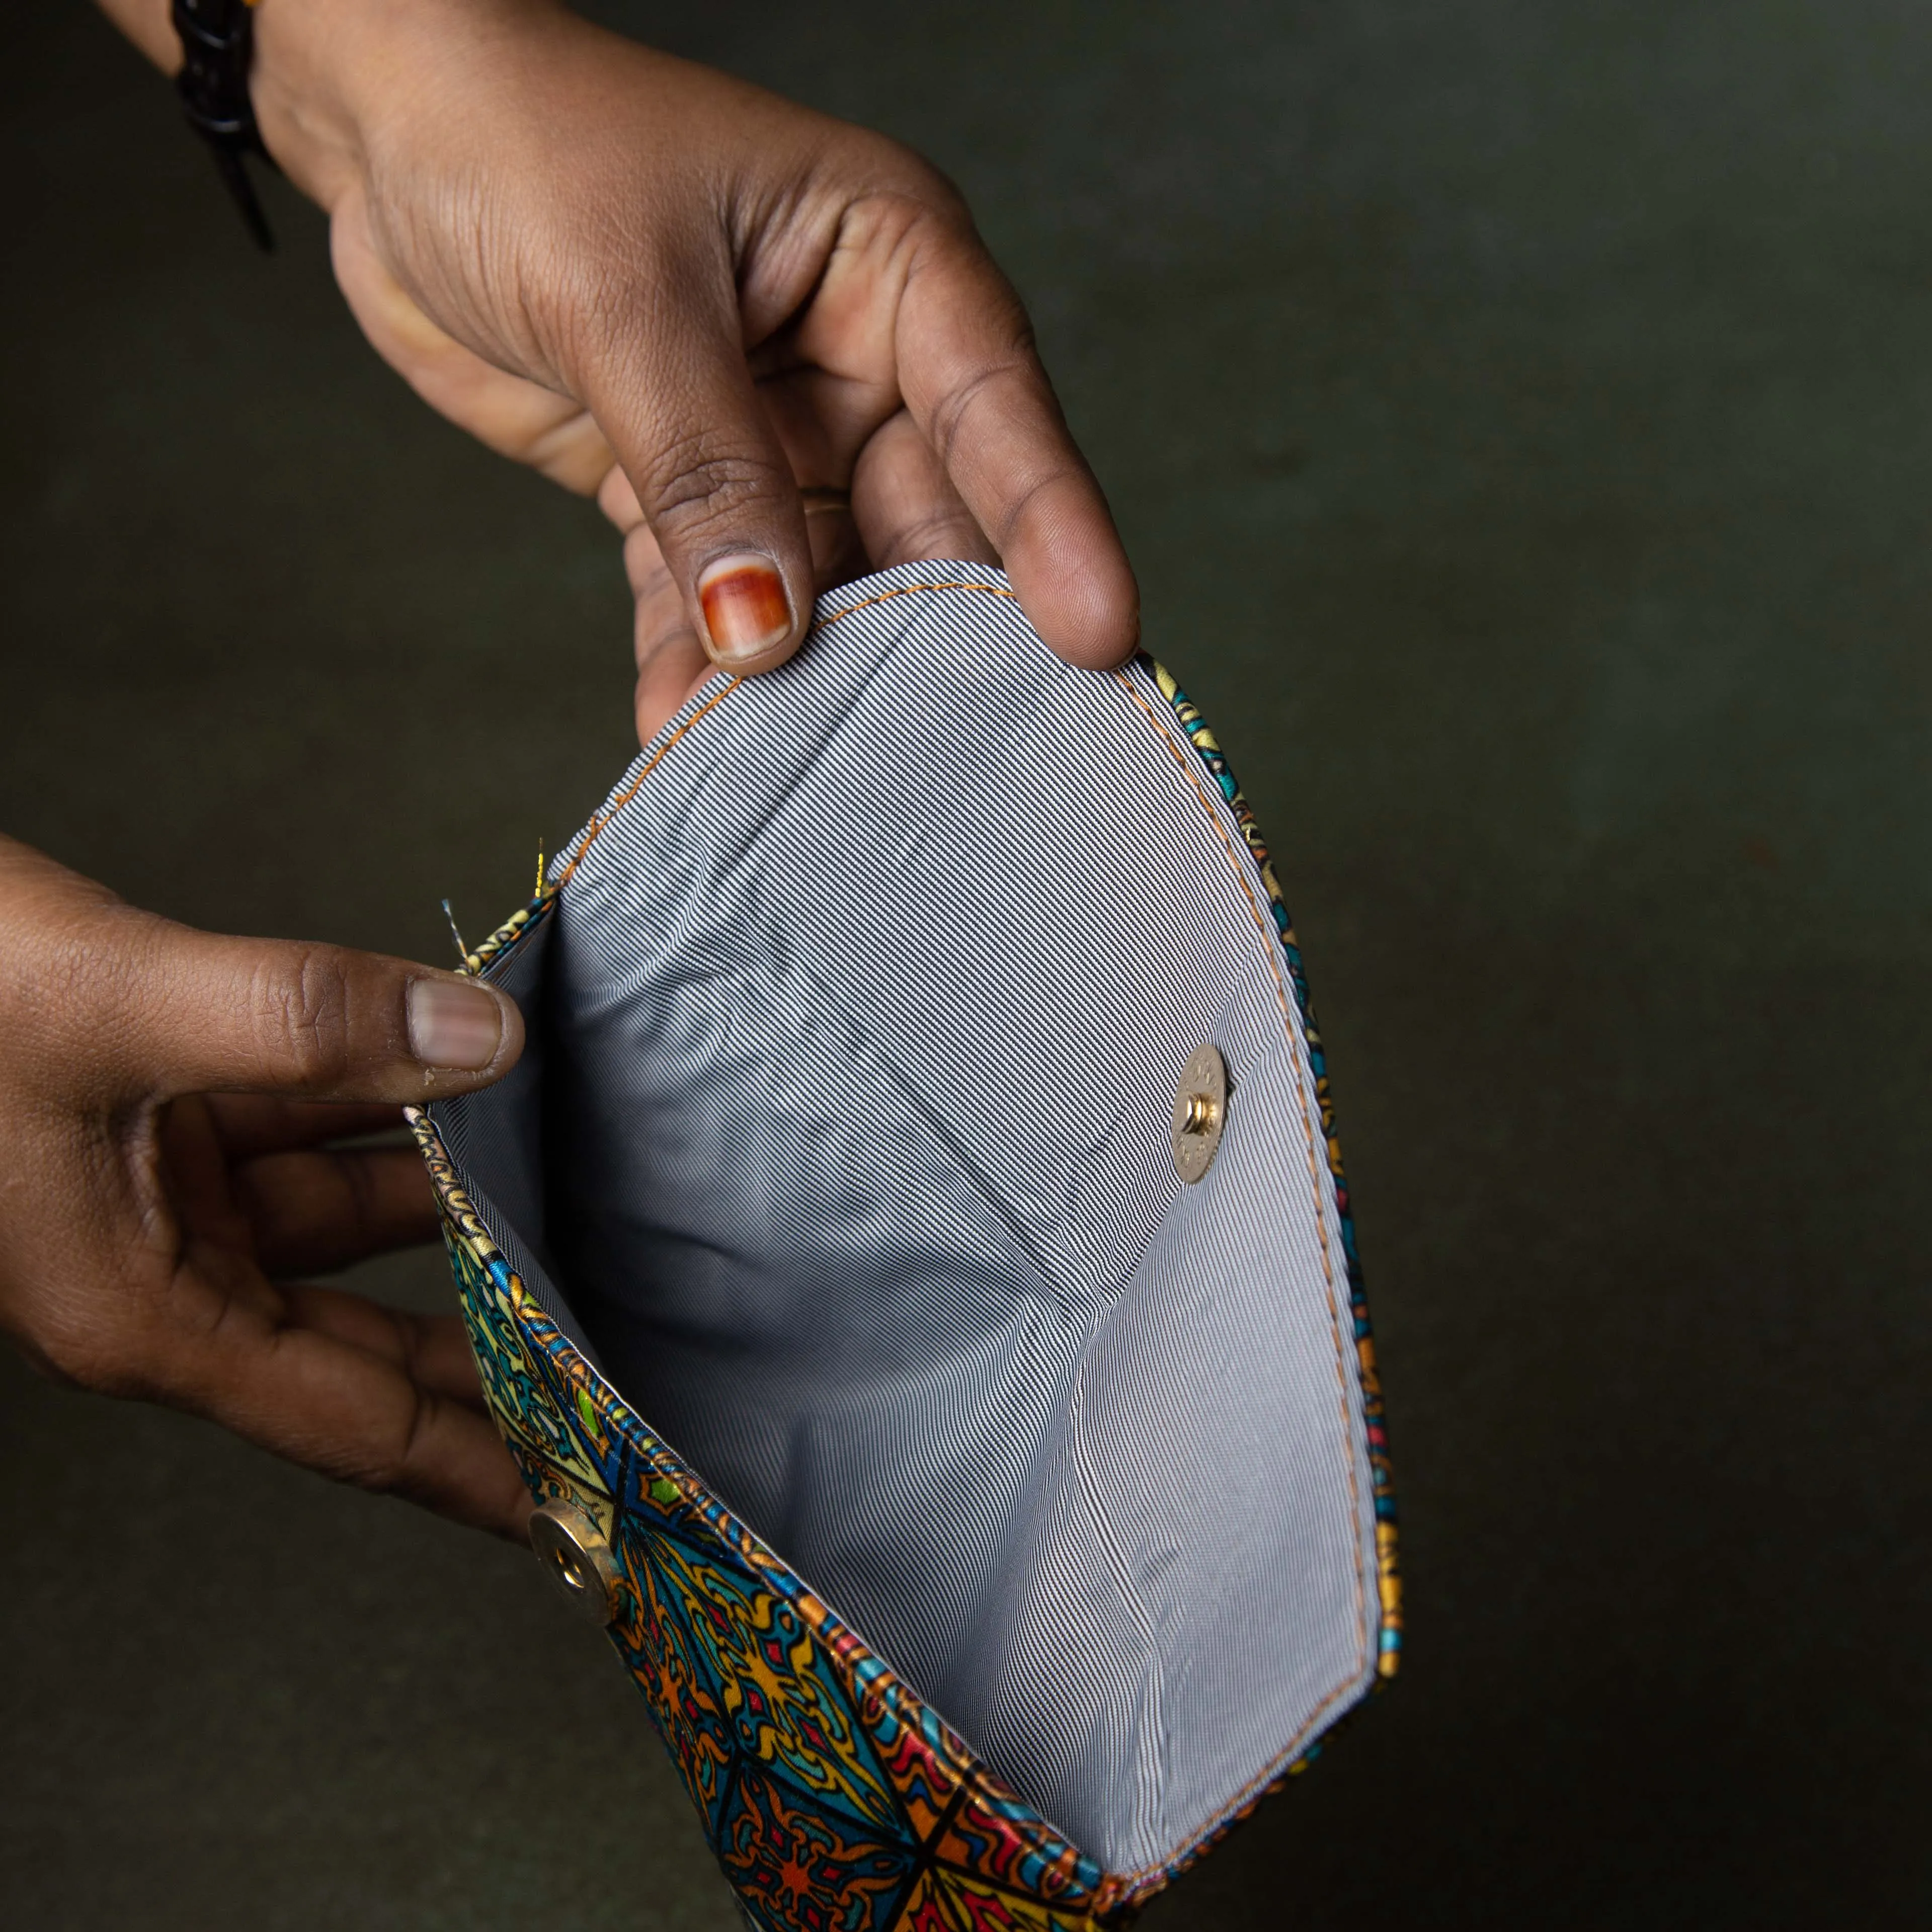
(329, 76)
(332, 78)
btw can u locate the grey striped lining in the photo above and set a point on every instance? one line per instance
(844, 1139)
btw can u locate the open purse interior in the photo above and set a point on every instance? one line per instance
(845, 1147)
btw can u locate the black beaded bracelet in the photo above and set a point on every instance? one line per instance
(217, 38)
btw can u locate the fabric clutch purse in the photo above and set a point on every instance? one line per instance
(911, 1267)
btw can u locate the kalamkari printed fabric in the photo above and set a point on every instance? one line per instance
(1045, 1428)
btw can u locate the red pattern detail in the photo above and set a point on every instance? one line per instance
(796, 1864)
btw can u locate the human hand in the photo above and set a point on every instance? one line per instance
(879, 528)
(576, 247)
(167, 1099)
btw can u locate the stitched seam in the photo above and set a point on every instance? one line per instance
(606, 813)
(1163, 1873)
(1314, 1172)
(849, 1651)
(906, 590)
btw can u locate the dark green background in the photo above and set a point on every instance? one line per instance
(1520, 417)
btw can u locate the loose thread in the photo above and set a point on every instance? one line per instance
(462, 951)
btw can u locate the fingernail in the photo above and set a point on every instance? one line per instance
(453, 1025)
(745, 608)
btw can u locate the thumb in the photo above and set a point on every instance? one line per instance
(315, 1022)
(102, 1003)
(678, 406)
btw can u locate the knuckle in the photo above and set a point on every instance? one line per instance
(924, 199)
(1020, 506)
(939, 533)
(700, 482)
(363, 1204)
(892, 175)
(953, 414)
(300, 1010)
(923, 234)
(395, 1466)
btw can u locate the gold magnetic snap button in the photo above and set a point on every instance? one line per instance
(1200, 1112)
(576, 1558)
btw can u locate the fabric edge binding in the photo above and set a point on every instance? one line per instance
(1112, 1898)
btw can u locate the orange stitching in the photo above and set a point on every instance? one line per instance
(1243, 1801)
(606, 813)
(1316, 1171)
(906, 590)
(1251, 1791)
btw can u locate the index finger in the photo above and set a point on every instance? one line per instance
(974, 385)
(259, 1123)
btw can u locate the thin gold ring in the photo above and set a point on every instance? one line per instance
(818, 498)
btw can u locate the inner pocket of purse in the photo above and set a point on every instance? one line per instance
(844, 1146)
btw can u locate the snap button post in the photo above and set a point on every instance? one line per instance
(576, 1558)
(1200, 1112)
